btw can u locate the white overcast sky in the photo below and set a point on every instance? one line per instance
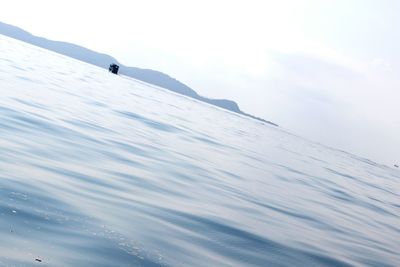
(326, 70)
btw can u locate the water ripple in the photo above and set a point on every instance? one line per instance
(99, 170)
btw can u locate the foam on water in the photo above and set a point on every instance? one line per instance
(102, 170)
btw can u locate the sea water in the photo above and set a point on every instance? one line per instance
(102, 170)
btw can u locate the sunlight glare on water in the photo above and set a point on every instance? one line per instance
(102, 170)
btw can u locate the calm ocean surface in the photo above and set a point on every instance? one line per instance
(101, 170)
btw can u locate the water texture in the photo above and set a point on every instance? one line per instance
(101, 170)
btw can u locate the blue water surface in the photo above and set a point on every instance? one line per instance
(102, 170)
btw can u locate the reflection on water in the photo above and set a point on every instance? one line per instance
(101, 170)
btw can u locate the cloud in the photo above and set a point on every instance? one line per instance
(338, 105)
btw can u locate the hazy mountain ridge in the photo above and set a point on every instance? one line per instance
(103, 60)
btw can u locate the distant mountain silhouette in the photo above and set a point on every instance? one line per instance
(103, 60)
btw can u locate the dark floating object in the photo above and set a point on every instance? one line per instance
(396, 165)
(38, 260)
(113, 68)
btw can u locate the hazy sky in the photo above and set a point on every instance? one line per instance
(326, 70)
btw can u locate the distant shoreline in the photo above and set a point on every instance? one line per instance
(103, 60)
